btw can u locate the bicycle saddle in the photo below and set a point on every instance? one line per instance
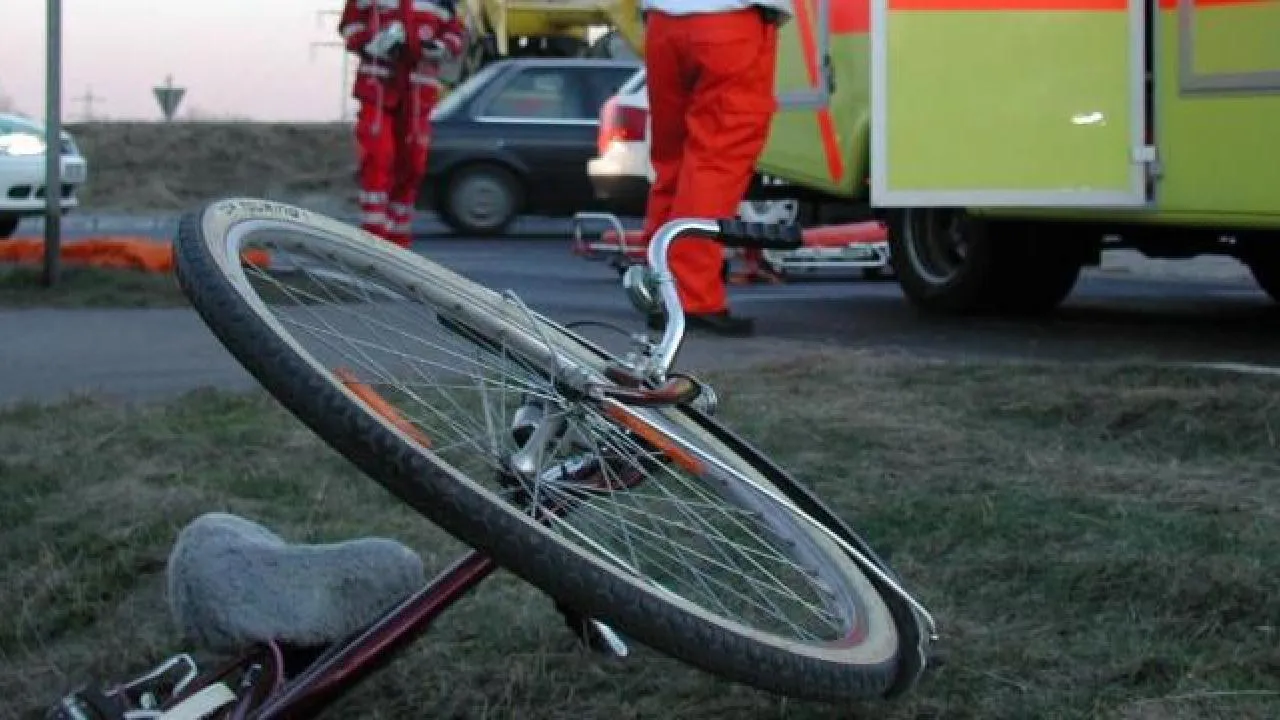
(233, 582)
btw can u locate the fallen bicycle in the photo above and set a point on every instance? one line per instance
(605, 482)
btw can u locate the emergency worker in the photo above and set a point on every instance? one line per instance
(400, 44)
(710, 74)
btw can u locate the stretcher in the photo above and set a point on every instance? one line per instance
(860, 246)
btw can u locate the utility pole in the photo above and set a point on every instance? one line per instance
(86, 101)
(53, 143)
(343, 112)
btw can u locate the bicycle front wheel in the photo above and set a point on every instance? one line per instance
(461, 402)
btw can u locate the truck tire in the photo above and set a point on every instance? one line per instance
(944, 258)
(950, 262)
(1265, 268)
(1037, 267)
(8, 225)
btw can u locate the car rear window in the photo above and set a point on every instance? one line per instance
(540, 94)
(464, 91)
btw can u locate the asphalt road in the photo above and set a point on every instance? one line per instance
(47, 354)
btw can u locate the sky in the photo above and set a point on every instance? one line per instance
(237, 58)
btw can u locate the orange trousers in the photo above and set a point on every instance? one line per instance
(711, 100)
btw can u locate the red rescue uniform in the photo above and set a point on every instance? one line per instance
(396, 96)
(710, 75)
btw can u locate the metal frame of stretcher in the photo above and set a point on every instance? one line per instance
(867, 247)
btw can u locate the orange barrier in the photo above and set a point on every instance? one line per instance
(108, 251)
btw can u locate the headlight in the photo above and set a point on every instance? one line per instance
(21, 144)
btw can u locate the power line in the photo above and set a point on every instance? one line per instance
(86, 101)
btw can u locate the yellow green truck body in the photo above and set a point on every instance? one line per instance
(1038, 104)
(1031, 119)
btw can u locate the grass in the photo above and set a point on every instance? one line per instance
(78, 286)
(1095, 542)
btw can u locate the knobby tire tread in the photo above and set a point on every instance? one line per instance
(469, 517)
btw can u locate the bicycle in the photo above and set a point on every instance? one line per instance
(576, 485)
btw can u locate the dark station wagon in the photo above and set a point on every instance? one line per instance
(514, 139)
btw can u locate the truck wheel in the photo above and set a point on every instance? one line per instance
(1036, 268)
(1265, 269)
(949, 261)
(8, 225)
(944, 258)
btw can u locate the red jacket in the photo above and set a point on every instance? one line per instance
(386, 83)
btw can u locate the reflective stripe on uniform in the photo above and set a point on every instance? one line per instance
(371, 198)
(375, 70)
(352, 29)
(421, 79)
(376, 219)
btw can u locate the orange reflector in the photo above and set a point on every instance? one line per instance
(654, 437)
(380, 405)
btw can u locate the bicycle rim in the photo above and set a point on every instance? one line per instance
(640, 520)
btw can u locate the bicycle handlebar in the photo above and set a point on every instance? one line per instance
(731, 232)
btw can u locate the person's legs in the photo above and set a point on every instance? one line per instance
(375, 149)
(668, 89)
(413, 133)
(727, 126)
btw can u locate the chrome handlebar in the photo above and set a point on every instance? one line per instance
(653, 286)
(660, 280)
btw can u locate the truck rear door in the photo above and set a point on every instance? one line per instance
(990, 103)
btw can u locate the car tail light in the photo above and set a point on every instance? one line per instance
(620, 123)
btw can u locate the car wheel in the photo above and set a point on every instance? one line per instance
(481, 200)
(8, 225)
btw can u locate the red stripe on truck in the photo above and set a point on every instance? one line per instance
(826, 126)
(848, 17)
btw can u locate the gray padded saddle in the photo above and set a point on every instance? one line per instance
(233, 582)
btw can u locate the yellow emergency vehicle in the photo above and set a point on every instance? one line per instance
(1006, 142)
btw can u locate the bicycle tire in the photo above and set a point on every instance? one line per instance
(855, 671)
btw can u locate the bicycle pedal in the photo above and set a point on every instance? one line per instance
(595, 635)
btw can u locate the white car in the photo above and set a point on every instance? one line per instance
(23, 143)
(621, 173)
